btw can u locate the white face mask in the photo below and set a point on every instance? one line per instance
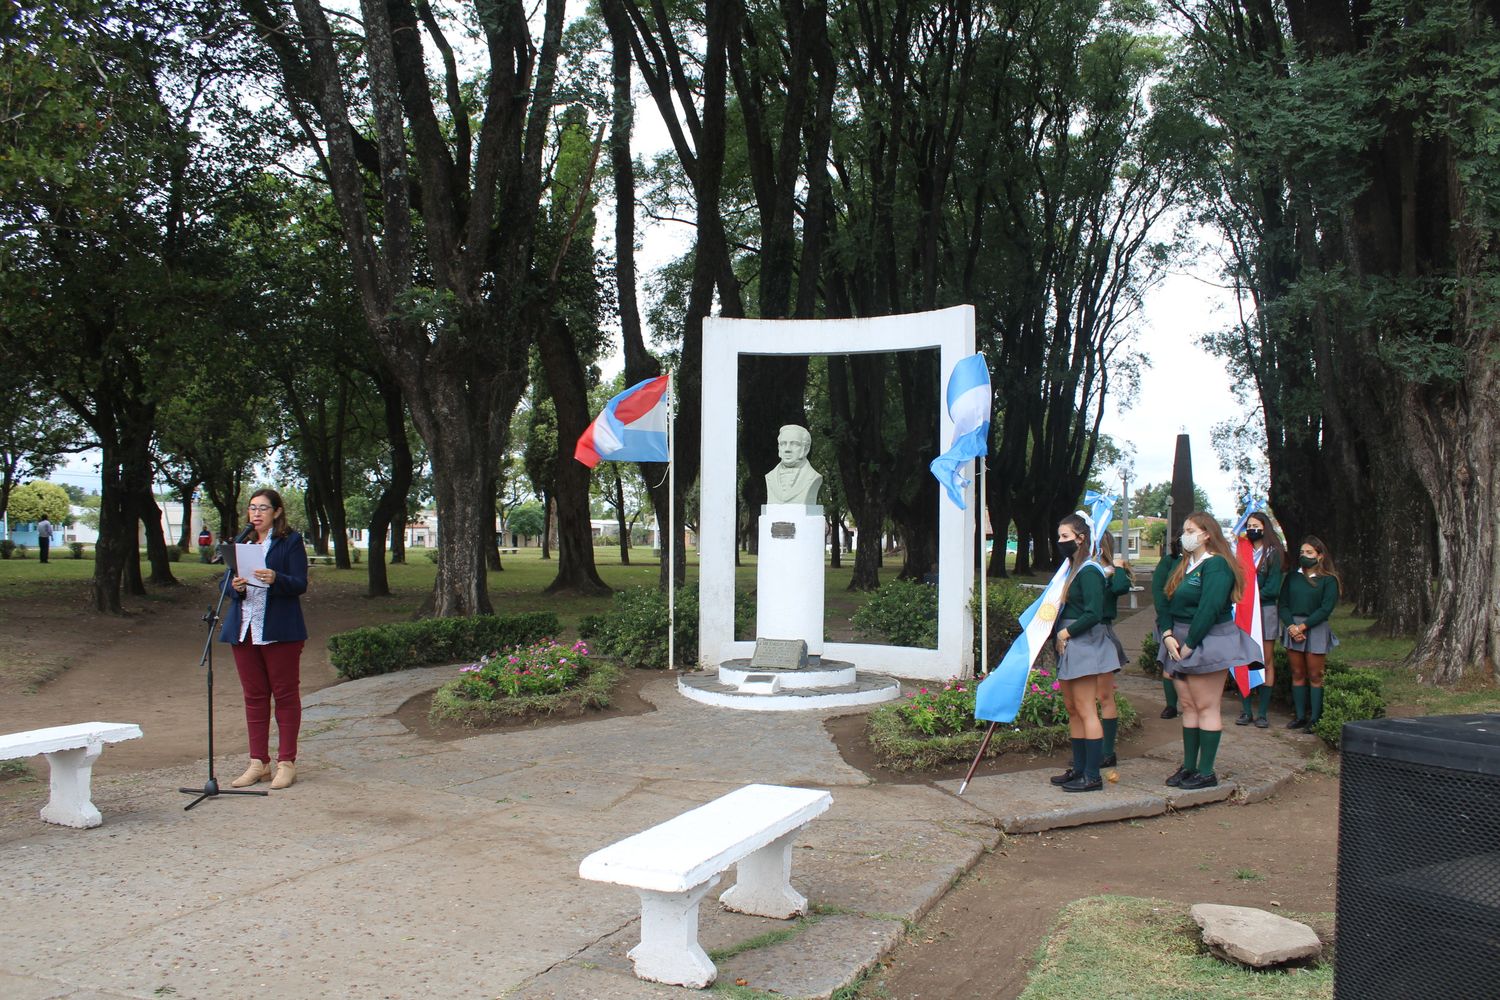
(1191, 542)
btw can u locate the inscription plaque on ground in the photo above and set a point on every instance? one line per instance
(779, 654)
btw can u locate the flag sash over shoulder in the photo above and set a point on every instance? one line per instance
(632, 427)
(998, 697)
(1247, 617)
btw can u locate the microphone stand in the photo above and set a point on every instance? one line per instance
(211, 787)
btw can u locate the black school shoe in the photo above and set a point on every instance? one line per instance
(1244, 719)
(1083, 783)
(1109, 761)
(1179, 776)
(1169, 712)
(1262, 723)
(1208, 780)
(1064, 778)
(1297, 724)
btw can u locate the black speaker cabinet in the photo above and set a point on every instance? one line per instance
(1419, 860)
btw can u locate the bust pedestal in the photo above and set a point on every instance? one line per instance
(789, 575)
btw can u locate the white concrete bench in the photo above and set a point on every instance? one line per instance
(673, 866)
(70, 752)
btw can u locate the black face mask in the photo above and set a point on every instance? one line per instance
(1308, 562)
(1066, 549)
(1254, 534)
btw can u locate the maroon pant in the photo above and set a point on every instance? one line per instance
(274, 669)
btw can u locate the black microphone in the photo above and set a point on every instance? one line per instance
(246, 534)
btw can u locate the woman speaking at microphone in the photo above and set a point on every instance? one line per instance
(265, 630)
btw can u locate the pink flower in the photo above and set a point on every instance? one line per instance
(924, 690)
(1057, 685)
(1035, 688)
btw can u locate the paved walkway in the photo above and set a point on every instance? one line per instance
(400, 867)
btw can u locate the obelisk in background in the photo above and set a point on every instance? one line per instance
(1182, 487)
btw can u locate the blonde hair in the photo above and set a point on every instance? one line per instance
(1217, 545)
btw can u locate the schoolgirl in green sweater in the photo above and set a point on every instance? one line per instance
(1307, 600)
(1084, 652)
(1270, 567)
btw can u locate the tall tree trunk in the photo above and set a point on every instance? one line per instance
(391, 506)
(149, 515)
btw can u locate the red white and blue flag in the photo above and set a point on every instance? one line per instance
(1247, 617)
(631, 428)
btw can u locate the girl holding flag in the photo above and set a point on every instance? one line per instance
(1204, 643)
(1270, 568)
(1085, 655)
(1307, 599)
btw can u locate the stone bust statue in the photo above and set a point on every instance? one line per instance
(793, 481)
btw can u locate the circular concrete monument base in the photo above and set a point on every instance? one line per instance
(744, 690)
(827, 674)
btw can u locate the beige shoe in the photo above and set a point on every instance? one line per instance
(258, 771)
(286, 773)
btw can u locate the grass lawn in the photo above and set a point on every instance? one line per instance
(1124, 948)
(1402, 689)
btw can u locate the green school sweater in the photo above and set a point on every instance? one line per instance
(1268, 577)
(1085, 600)
(1314, 598)
(1117, 586)
(1204, 598)
(1159, 592)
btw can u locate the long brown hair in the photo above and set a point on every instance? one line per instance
(1217, 545)
(1271, 540)
(279, 526)
(1081, 554)
(1325, 561)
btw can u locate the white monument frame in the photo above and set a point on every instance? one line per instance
(951, 331)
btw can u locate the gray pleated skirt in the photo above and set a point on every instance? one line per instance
(1094, 652)
(1109, 629)
(1320, 638)
(1225, 647)
(1270, 622)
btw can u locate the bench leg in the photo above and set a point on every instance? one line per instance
(669, 951)
(72, 774)
(764, 887)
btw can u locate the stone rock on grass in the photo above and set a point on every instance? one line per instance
(1254, 937)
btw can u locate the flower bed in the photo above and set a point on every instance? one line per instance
(936, 726)
(539, 679)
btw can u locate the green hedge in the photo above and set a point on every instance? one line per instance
(900, 748)
(1349, 695)
(381, 649)
(634, 629)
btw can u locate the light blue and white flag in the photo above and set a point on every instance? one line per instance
(969, 409)
(998, 697)
(1101, 511)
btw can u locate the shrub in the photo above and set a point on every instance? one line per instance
(356, 556)
(7, 548)
(634, 630)
(77, 549)
(432, 555)
(1349, 695)
(174, 553)
(1147, 660)
(1007, 600)
(380, 649)
(22, 551)
(902, 612)
(206, 553)
(936, 727)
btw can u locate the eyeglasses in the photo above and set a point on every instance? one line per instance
(260, 508)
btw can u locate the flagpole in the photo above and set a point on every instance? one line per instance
(984, 581)
(983, 746)
(671, 536)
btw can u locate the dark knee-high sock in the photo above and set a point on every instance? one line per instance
(1170, 690)
(1093, 753)
(1245, 706)
(1190, 741)
(1078, 755)
(1208, 749)
(1317, 703)
(1299, 700)
(1111, 730)
(1265, 700)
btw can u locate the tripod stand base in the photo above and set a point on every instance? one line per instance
(212, 790)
